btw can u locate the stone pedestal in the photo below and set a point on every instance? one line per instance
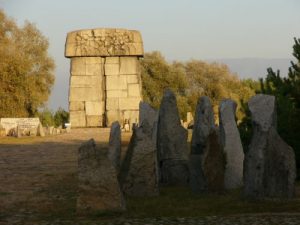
(105, 82)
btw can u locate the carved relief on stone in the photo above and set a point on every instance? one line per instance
(104, 42)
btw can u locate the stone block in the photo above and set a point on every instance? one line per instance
(94, 108)
(128, 65)
(129, 103)
(112, 116)
(111, 69)
(117, 94)
(85, 94)
(76, 106)
(134, 90)
(77, 118)
(116, 83)
(78, 66)
(94, 121)
(112, 60)
(112, 104)
(86, 81)
(94, 69)
(132, 79)
(94, 60)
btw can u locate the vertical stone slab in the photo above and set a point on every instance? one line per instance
(206, 159)
(138, 174)
(149, 115)
(171, 143)
(231, 144)
(270, 167)
(98, 186)
(114, 149)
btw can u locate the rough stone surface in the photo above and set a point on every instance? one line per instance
(198, 183)
(147, 113)
(203, 125)
(139, 169)
(104, 42)
(270, 167)
(98, 187)
(114, 149)
(231, 144)
(207, 159)
(172, 143)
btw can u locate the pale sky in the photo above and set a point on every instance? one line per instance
(199, 29)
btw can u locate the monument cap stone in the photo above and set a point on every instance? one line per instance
(104, 42)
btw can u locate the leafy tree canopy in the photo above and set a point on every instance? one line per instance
(26, 70)
(190, 80)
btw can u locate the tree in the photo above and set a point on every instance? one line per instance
(26, 70)
(61, 117)
(190, 80)
(287, 93)
(157, 75)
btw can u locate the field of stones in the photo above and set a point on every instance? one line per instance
(51, 180)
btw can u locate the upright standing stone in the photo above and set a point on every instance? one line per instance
(206, 153)
(114, 149)
(138, 174)
(171, 143)
(105, 82)
(98, 186)
(231, 144)
(40, 130)
(147, 113)
(270, 167)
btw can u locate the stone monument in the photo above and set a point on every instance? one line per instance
(105, 80)
(270, 166)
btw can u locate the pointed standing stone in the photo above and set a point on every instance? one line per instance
(231, 144)
(147, 113)
(270, 167)
(114, 149)
(98, 186)
(138, 176)
(171, 143)
(206, 153)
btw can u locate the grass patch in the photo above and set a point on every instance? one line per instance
(181, 202)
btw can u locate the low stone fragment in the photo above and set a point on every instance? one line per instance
(270, 167)
(231, 144)
(171, 143)
(98, 186)
(114, 149)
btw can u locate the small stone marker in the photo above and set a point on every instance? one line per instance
(114, 149)
(231, 144)
(98, 186)
(270, 167)
(171, 143)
